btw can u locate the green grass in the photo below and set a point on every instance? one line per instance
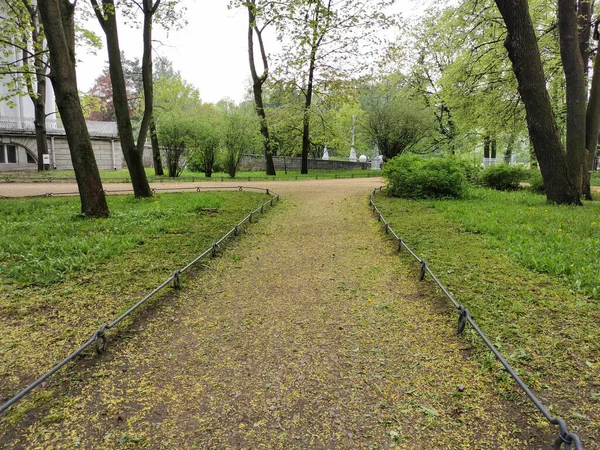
(122, 176)
(45, 240)
(527, 271)
(558, 240)
(62, 276)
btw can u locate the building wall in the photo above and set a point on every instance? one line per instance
(107, 151)
(23, 147)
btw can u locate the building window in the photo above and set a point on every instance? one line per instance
(9, 154)
(30, 158)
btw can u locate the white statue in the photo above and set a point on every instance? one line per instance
(352, 149)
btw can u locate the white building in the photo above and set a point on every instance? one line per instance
(18, 148)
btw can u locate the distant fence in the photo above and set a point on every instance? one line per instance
(257, 163)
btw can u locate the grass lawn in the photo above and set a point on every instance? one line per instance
(529, 273)
(62, 276)
(122, 176)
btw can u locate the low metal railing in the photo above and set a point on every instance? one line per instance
(99, 338)
(565, 438)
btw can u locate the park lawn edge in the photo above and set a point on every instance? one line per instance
(544, 328)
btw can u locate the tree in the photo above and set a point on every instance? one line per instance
(133, 153)
(58, 20)
(332, 40)
(393, 121)
(98, 101)
(259, 10)
(172, 134)
(562, 171)
(259, 80)
(164, 67)
(239, 136)
(23, 31)
(173, 97)
(204, 138)
(460, 72)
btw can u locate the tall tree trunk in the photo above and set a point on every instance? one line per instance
(39, 121)
(592, 121)
(493, 148)
(156, 159)
(149, 10)
(307, 104)
(533, 162)
(257, 84)
(57, 17)
(523, 51)
(316, 40)
(486, 147)
(37, 94)
(133, 156)
(510, 146)
(575, 82)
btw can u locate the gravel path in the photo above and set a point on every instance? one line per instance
(309, 332)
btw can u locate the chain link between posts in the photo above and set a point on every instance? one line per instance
(565, 439)
(99, 339)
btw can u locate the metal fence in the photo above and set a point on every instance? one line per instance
(99, 338)
(565, 438)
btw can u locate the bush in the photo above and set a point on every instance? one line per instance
(411, 176)
(472, 172)
(503, 177)
(536, 182)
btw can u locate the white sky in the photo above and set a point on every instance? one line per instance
(210, 52)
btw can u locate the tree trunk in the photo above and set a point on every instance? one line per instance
(523, 51)
(306, 117)
(147, 80)
(576, 91)
(156, 159)
(133, 156)
(533, 162)
(39, 120)
(486, 147)
(39, 98)
(494, 148)
(592, 122)
(57, 17)
(257, 84)
(510, 145)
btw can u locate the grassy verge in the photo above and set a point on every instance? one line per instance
(122, 176)
(63, 276)
(558, 240)
(543, 322)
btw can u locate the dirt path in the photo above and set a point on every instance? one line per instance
(309, 332)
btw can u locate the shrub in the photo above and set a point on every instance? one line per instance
(472, 172)
(536, 182)
(411, 176)
(503, 177)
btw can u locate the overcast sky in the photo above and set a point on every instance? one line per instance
(210, 52)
